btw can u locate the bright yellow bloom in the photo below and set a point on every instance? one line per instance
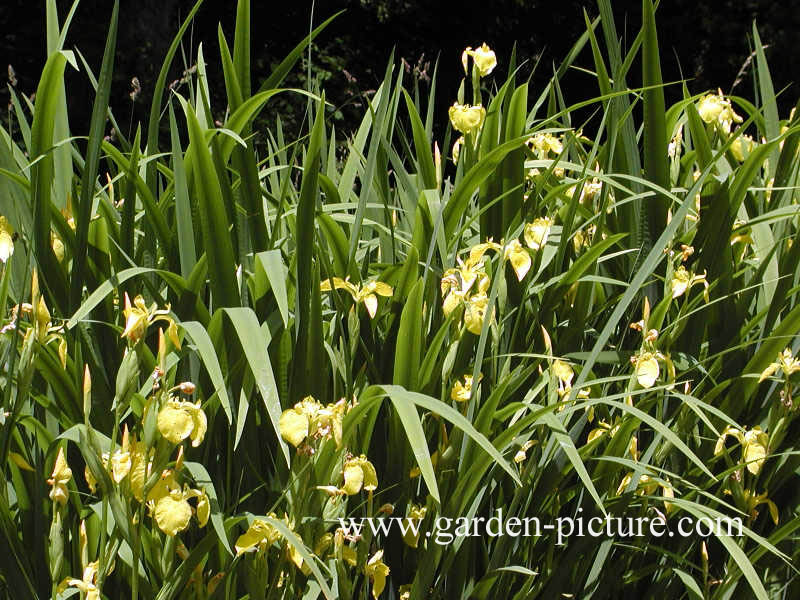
(180, 419)
(536, 233)
(756, 500)
(60, 478)
(309, 418)
(466, 118)
(6, 240)
(564, 373)
(366, 293)
(138, 316)
(262, 534)
(716, 109)
(786, 363)
(293, 425)
(461, 392)
(522, 453)
(742, 146)
(543, 143)
(519, 258)
(141, 467)
(259, 536)
(646, 367)
(484, 58)
(683, 280)
(377, 571)
(754, 446)
(168, 503)
(87, 585)
(458, 281)
(475, 312)
(359, 474)
(647, 485)
(603, 428)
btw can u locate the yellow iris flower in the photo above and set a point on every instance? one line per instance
(461, 392)
(483, 57)
(138, 316)
(536, 233)
(544, 143)
(755, 444)
(309, 418)
(366, 294)
(786, 363)
(359, 474)
(168, 503)
(87, 584)
(519, 258)
(259, 536)
(646, 368)
(717, 109)
(377, 571)
(683, 280)
(465, 118)
(180, 419)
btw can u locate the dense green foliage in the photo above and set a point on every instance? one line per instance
(212, 350)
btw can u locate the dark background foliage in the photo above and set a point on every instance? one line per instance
(704, 42)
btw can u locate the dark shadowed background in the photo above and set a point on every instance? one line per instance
(705, 42)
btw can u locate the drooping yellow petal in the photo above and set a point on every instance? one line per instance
(200, 424)
(519, 258)
(536, 233)
(462, 392)
(172, 514)
(465, 118)
(370, 476)
(339, 284)
(120, 465)
(135, 319)
(755, 449)
(293, 425)
(140, 470)
(377, 571)
(415, 515)
(383, 289)
(475, 313)
(729, 430)
(175, 423)
(259, 535)
(563, 371)
(647, 370)
(680, 281)
(371, 302)
(203, 509)
(353, 478)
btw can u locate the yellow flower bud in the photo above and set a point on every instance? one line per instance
(59, 479)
